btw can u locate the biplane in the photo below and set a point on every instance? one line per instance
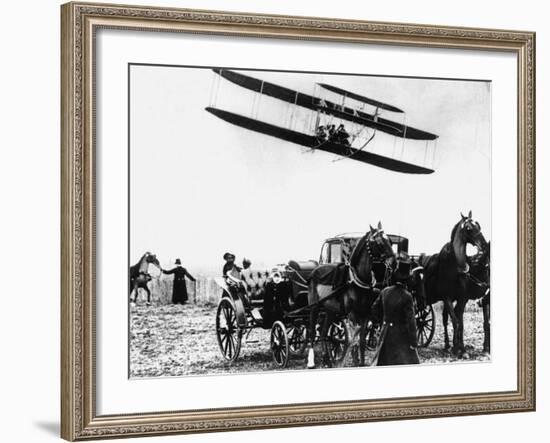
(351, 146)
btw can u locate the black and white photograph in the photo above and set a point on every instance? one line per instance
(283, 220)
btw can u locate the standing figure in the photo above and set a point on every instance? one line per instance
(395, 309)
(179, 290)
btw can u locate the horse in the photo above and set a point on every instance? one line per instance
(446, 277)
(139, 275)
(354, 295)
(478, 288)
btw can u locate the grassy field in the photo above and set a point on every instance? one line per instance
(176, 340)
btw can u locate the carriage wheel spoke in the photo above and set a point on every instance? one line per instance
(225, 346)
(223, 336)
(228, 332)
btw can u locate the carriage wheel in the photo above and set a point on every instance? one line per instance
(337, 341)
(372, 336)
(279, 344)
(297, 338)
(228, 331)
(425, 326)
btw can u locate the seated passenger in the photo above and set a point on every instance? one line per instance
(342, 135)
(331, 132)
(321, 134)
(231, 272)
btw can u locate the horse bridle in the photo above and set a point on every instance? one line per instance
(473, 237)
(379, 241)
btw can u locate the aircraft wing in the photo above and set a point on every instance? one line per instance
(312, 142)
(317, 104)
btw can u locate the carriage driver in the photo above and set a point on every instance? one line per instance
(394, 308)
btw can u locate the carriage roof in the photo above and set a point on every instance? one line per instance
(352, 237)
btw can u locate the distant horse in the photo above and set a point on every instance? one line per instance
(139, 275)
(355, 294)
(447, 277)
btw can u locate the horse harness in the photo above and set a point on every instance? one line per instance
(476, 281)
(353, 277)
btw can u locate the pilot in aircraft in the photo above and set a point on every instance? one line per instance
(331, 132)
(342, 135)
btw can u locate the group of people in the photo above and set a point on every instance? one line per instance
(179, 288)
(232, 273)
(333, 134)
(231, 268)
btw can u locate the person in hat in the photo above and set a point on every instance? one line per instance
(394, 309)
(230, 267)
(179, 289)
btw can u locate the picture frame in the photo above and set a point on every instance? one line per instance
(79, 177)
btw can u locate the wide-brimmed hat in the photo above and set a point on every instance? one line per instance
(228, 256)
(402, 270)
(178, 261)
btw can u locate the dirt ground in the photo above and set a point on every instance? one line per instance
(176, 340)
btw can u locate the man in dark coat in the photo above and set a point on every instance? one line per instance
(395, 309)
(179, 290)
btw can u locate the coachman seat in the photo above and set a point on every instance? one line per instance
(303, 268)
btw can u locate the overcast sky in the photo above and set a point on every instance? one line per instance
(201, 186)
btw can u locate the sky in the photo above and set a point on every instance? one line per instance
(200, 186)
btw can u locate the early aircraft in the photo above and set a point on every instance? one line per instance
(321, 138)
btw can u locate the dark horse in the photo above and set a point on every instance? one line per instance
(355, 294)
(447, 276)
(139, 275)
(477, 288)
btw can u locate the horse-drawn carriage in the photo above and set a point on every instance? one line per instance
(278, 300)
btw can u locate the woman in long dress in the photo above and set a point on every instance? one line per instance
(394, 307)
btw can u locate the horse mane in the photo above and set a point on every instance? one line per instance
(358, 248)
(455, 228)
(140, 259)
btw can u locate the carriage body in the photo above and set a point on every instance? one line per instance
(275, 300)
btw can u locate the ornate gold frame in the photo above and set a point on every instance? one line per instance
(79, 21)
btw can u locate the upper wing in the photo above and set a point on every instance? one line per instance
(317, 104)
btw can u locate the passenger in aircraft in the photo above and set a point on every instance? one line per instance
(342, 135)
(321, 134)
